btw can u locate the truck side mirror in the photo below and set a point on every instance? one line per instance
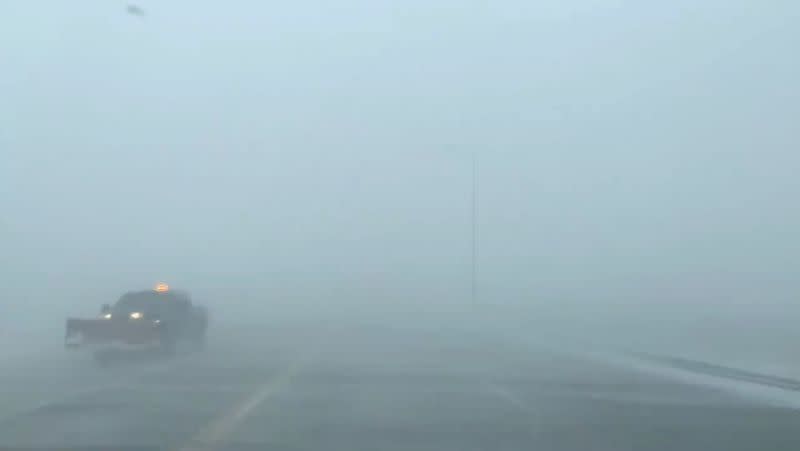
(105, 308)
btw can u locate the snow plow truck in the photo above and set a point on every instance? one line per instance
(160, 319)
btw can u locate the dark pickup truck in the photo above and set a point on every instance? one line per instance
(159, 318)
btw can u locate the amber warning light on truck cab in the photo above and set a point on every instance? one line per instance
(162, 288)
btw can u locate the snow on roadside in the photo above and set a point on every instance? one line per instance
(753, 392)
(771, 359)
(770, 352)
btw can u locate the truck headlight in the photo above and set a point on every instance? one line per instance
(107, 316)
(136, 315)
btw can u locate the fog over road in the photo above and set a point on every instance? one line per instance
(358, 387)
(447, 225)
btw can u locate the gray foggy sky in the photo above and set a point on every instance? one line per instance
(631, 152)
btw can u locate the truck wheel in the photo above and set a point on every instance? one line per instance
(167, 342)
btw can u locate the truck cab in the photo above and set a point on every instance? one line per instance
(161, 317)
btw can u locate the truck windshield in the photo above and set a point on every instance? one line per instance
(147, 303)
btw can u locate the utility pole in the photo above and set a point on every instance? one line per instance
(474, 291)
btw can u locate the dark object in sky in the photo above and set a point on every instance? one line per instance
(135, 10)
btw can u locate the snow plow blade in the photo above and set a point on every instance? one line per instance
(83, 332)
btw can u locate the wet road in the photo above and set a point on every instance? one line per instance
(373, 389)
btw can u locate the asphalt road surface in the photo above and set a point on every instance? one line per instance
(359, 388)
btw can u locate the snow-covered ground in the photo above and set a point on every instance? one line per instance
(769, 351)
(767, 345)
(775, 359)
(774, 352)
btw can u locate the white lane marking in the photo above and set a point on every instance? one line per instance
(506, 394)
(534, 415)
(220, 428)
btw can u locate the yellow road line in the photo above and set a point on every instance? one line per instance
(222, 427)
(508, 396)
